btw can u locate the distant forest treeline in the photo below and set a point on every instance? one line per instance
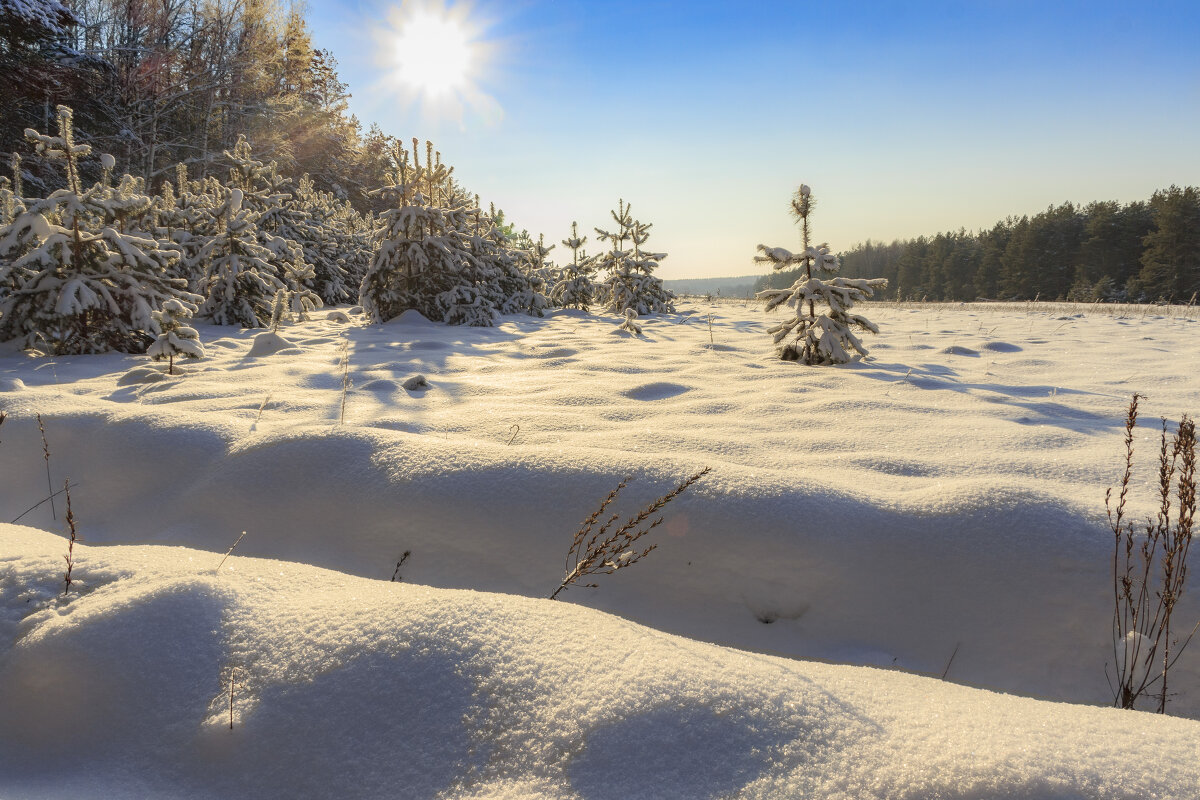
(1104, 251)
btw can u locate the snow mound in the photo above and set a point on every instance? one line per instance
(142, 374)
(269, 343)
(11, 384)
(362, 686)
(416, 383)
(337, 315)
(411, 317)
(381, 385)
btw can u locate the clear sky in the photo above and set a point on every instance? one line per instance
(906, 118)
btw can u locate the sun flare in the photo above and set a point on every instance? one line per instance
(433, 54)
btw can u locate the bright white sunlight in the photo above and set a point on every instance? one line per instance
(429, 57)
(433, 53)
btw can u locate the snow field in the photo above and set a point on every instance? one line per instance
(944, 497)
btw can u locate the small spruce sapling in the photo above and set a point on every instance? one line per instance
(827, 337)
(629, 325)
(241, 278)
(177, 339)
(279, 308)
(575, 289)
(629, 282)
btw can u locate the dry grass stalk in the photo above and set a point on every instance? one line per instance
(262, 408)
(229, 551)
(74, 534)
(231, 683)
(946, 671)
(396, 575)
(600, 552)
(46, 454)
(38, 504)
(1150, 571)
(345, 378)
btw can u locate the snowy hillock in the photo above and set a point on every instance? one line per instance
(926, 510)
(351, 687)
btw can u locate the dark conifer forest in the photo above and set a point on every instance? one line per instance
(1102, 252)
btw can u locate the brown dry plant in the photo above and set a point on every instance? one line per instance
(46, 454)
(74, 537)
(597, 551)
(1149, 569)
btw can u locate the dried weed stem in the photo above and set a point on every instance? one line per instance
(599, 552)
(1149, 571)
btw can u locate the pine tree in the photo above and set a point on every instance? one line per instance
(187, 220)
(175, 338)
(1171, 261)
(628, 282)
(319, 229)
(267, 200)
(540, 271)
(299, 276)
(652, 294)
(279, 309)
(825, 338)
(424, 259)
(84, 284)
(575, 289)
(240, 282)
(18, 230)
(505, 286)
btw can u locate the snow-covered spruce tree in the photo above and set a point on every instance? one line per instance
(629, 282)
(299, 275)
(15, 239)
(650, 289)
(279, 309)
(828, 337)
(176, 339)
(424, 259)
(267, 198)
(541, 272)
(84, 285)
(319, 229)
(505, 285)
(240, 281)
(187, 219)
(575, 289)
(356, 244)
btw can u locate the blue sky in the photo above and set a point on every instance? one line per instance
(905, 118)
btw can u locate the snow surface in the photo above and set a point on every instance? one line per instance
(939, 505)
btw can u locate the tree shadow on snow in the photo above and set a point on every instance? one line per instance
(1041, 411)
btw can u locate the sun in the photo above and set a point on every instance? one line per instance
(433, 53)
